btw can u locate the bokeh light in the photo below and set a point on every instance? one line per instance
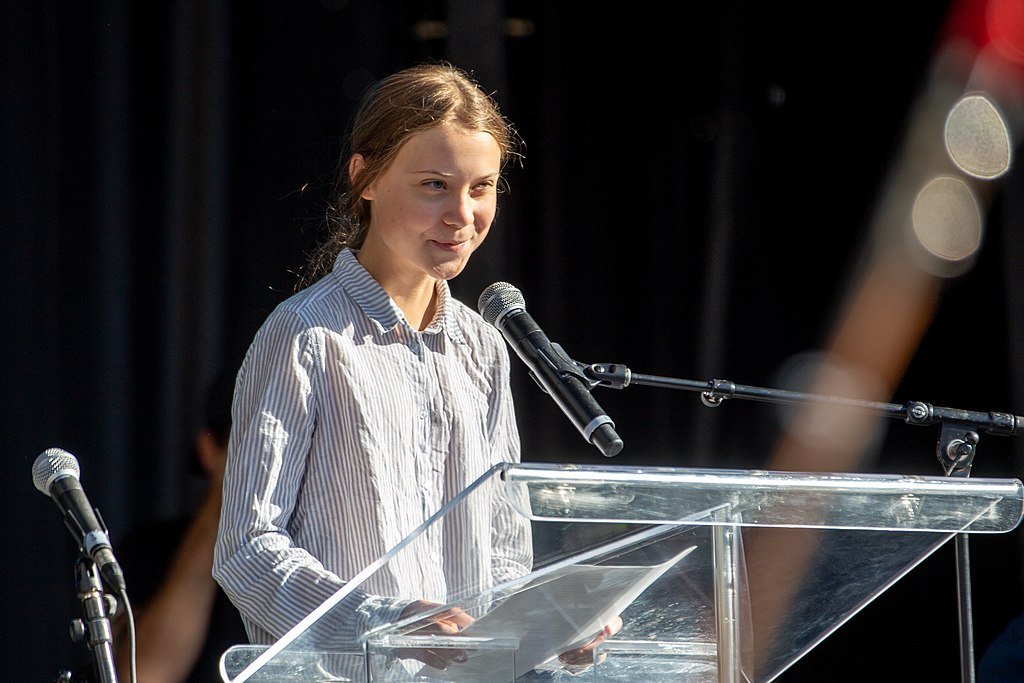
(977, 138)
(947, 224)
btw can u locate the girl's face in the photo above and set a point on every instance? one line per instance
(433, 206)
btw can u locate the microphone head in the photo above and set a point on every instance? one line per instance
(51, 464)
(497, 300)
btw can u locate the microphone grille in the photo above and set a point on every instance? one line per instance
(50, 464)
(498, 299)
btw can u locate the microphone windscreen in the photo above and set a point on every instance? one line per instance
(53, 463)
(498, 299)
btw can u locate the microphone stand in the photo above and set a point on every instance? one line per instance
(955, 450)
(94, 629)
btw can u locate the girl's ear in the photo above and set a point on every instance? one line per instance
(355, 166)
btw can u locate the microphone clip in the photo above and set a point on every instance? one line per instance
(612, 375)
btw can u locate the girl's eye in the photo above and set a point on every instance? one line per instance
(435, 184)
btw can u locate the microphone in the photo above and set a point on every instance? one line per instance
(503, 306)
(55, 473)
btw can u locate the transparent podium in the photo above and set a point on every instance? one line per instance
(717, 575)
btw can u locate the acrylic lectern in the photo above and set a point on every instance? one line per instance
(718, 575)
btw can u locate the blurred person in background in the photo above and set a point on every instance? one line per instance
(183, 620)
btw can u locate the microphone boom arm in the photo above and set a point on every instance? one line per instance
(958, 439)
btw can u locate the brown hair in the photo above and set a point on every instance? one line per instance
(392, 110)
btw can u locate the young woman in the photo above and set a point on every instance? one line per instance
(371, 397)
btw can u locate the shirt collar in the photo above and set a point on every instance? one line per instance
(382, 309)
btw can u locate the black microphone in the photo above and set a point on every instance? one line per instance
(503, 306)
(55, 473)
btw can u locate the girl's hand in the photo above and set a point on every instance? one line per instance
(447, 623)
(585, 655)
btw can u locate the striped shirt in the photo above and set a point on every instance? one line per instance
(350, 428)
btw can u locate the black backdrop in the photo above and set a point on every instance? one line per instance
(697, 185)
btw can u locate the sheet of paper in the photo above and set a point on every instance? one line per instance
(558, 610)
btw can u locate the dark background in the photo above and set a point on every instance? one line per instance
(699, 181)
